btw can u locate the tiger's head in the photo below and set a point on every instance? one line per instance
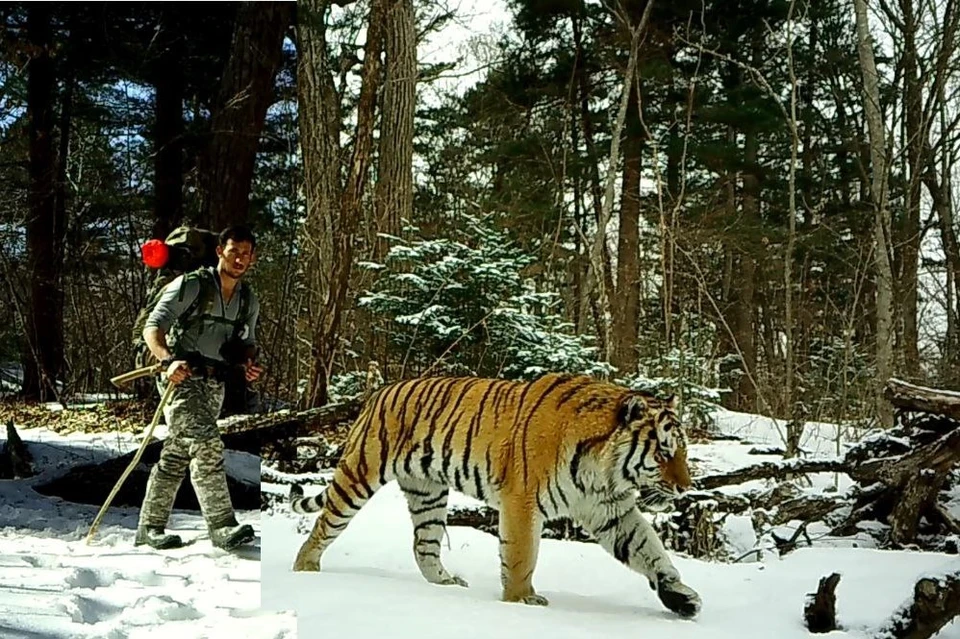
(651, 451)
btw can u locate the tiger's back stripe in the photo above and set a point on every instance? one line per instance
(560, 381)
(473, 427)
(570, 393)
(434, 413)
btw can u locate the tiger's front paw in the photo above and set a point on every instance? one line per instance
(307, 561)
(454, 581)
(531, 599)
(678, 597)
(535, 600)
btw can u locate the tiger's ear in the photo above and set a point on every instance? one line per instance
(631, 408)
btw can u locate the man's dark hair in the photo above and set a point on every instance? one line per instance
(237, 233)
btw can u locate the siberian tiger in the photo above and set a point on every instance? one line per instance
(562, 445)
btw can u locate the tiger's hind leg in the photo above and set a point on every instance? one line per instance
(346, 494)
(427, 502)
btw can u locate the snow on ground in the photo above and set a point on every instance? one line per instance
(369, 585)
(54, 585)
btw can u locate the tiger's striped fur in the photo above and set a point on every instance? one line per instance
(562, 445)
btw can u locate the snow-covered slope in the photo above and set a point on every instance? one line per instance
(369, 585)
(54, 585)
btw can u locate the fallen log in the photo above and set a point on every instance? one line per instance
(303, 423)
(918, 398)
(820, 612)
(92, 483)
(771, 470)
(938, 456)
(936, 601)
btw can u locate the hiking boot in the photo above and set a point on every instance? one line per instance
(155, 537)
(229, 537)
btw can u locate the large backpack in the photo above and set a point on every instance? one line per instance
(188, 251)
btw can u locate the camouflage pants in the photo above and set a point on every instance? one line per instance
(193, 440)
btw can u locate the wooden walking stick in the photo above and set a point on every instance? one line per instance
(140, 372)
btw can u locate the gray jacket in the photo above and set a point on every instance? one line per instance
(215, 325)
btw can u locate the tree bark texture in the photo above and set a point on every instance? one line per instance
(324, 339)
(820, 613)
(168, 80)
(394, 191)
(246, 91)
(878, 194)
(44, 350)
(909, 240)
(936, 601)
(626, 302)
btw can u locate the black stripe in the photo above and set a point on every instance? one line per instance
(609, 525)
(478, 484)
(344, 497)
(408, 459)
(414, 491)
(437, 498)
(428, 541)
(424, 509)
(570, 393)
(553, 501)
(333, 510)
(457, 483)
(563, 497)
(475, 425)
(429, 522)
(543, 511)
(435, 555)
(634, 440)
(427, 460)
(582, 448)
(526, 424)
(622, 550)
(384, 437)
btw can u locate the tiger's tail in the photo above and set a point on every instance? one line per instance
(304, 505)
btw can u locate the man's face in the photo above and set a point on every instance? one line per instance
(235, 258)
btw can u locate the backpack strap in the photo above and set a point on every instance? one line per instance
(243, 311)
(201, 302)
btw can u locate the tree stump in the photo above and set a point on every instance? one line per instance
(820, 613)
(15, 459)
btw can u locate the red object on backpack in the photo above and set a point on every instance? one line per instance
(155, 253)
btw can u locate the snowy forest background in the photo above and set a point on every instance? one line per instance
(700, 197)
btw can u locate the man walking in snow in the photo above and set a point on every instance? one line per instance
(201, 316)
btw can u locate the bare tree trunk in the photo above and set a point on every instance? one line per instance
(795, 425)
(597, 270)
(747, 281)
(910, 235)
(43, 356)
(168, 134)
(878, 194)
(394, 191)
(246, 90)
(627, 299)
(326, 332)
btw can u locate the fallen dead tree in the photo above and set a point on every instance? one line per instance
(934, 604)
(275, 435)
